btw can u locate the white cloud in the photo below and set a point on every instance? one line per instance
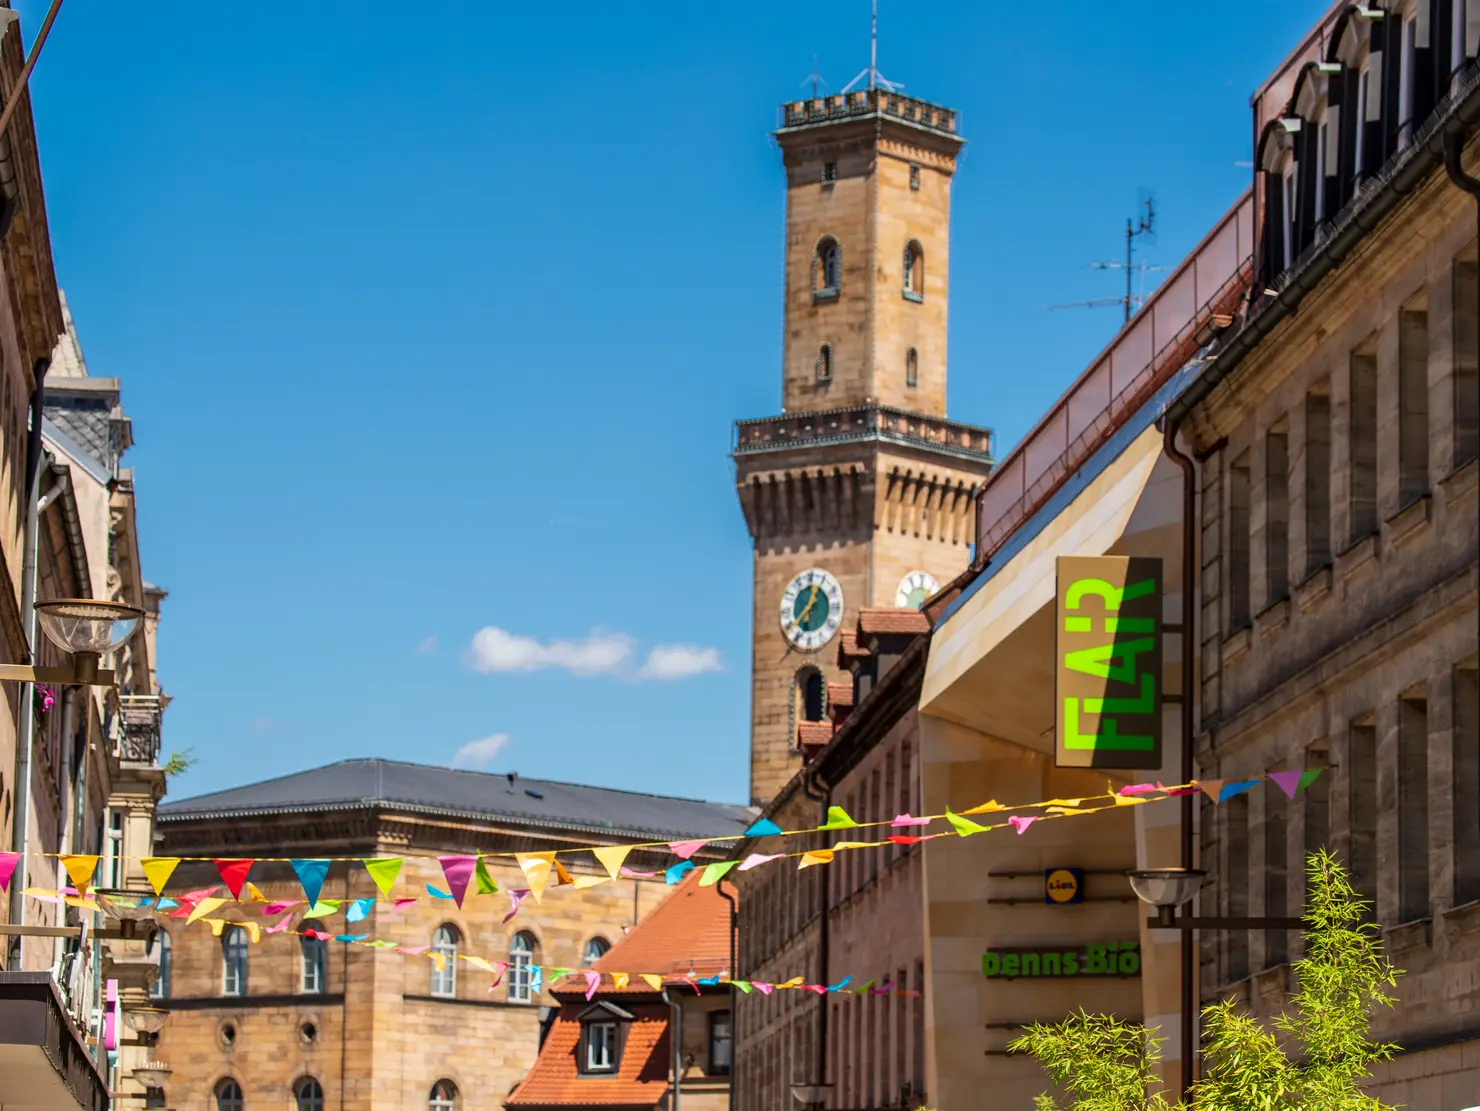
(600, 653)
(679, 661)
(427, 645)
(479, 753)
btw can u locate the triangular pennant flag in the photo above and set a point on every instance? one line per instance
(311, 874)
(1288, 782)
(234, 874)
(255, 895)
(654, 982)
(482, 880)
(1213, 788)
(863, 988)
(383, 870)
(1233, 790)
(280, 925)
(763, 987)
(1137, 789)
(280, 906)
(841, 984)
(216, 924)
(480, 962)
(583, 883)
(1073, 803)
(755, 859)
(1130, 800)
(964, 826)
(794, 982)
(837, 845)
(359, 910)
(593, 981)
(439, 960)
(985, 808)
(676, 873)
(254, 930)
(1307, 778)
(764, 827)
(350, 938)
(80, 869)
(905, 839)
(815, 856)
(458, 870)
(536, 867)
(438, 893)
(907, 820)
(685, 849)
(837, 818)
(8, 861)
(157, 870)
(611, 857)
(620, 980)
(713, 873)
(516, 897)
(562, 877)
(322, 910)
(1021, 822)
(203, 908)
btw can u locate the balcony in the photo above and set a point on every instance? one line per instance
(140, 717)
(44, 1062)
(858, 423)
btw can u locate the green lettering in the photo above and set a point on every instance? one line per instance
(1030, 965)
(1051, 965)
(1071, 964)
(991, 964)
(1009, 964)
(1106, 737)
(1145, 704)
(1099, 660)
(1100, 588)
(1130, 962)
(1094, 960)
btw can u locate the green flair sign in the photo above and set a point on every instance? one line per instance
(1108, 690)
(1114, 958)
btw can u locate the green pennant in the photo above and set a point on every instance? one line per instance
(837, 818)
(383, 870)
(486, 886)
(1307, 778)
(713, 873)
(964, 826)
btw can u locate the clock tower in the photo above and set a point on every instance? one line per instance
(861, 493)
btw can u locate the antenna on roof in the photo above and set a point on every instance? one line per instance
(815, 78)
(875, 78)
(1132, 300)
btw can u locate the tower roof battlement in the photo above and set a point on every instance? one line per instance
(873, 103)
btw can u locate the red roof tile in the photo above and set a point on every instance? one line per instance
(840, 694)
(849, 648)
(873, 620)
(641, 1079)
(814, 733)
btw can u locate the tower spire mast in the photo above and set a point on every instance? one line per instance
(874, 77)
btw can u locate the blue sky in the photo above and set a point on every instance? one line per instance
(432, 321)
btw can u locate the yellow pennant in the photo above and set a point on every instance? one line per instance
(216, 924)
(985, 808)
(654, 982)
(439, 960)
(612, 858)
(620, 979)
(815, 856)
(254, 930)
(158, 869)
(255, 896)
(203, 908)
(1130, 800)
(583, 882)
(82, 904)
(479, 962)
(536, 868)
(794, 982)
(80, 869)
(858, 845)
(1076, 803)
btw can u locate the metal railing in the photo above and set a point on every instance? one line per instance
(140, 719)
(860, 422)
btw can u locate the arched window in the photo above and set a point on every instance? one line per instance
(595, 949)
(160, 989)
(229, 1096)
(827, 268)
(314, 965)
(914, 271)
(443, 1097)
(911, 368)
(309, 1095)
(824, 363)
(234, 961)
(444, 971)
(811, 695)
(521, 968)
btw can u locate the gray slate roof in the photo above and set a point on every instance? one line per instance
(390, 784)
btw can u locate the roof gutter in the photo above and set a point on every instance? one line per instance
(1368, 210)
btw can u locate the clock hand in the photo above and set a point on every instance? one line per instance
(806, 611)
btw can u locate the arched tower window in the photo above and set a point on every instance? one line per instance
(811, 695)
(824, 363)
(443, 1097)
(309, 1095)
(827, 268)
(444, 972)
(595, 949)
(911, 368)
(521, 968)
(229, 1096)
(914, 271)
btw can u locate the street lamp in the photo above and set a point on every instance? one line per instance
(88, 629)
(153, 1075)
(146, 1020)
(1166, 889)
(811, 1095)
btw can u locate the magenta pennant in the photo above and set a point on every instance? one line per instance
(1138, 789)
(631, 873)
(593, 981)
(8, 861)
(458, 870)
(1288, 782)
(685, 849)
(516, 897)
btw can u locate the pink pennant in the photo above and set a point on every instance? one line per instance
(1288, 782)
(818, 988)
(499, 968)
(412, 950)
(693, 984)
(624, 870)
(458, 870)
(1020, 823)
(280, 925)
(764, 989)
(1139, 789)
(320, 934)
(756, 859)
(8, 861)
(517, 896)
(277, 908)
(685, 849)
(401, 907)
(593, 981)
(906, 820)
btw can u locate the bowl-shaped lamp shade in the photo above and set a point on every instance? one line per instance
(86, 625)
(1166, 887)
(153, 1075)
(146, 1020)
(810, 1095)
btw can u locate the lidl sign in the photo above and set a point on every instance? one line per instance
(1108, 692)
(1113, 958)
(1063, 885)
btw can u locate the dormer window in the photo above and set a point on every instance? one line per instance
(603, 1027)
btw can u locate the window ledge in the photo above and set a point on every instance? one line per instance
(1272, 982)
(917, 298)
(821, 295)
(1410, 935)
(1413, 517)
(1314, 589)
(1463, 919)
(1273, 617)
(452, 1001)
(1237, 644)
(1460, 482)
(1358, 555)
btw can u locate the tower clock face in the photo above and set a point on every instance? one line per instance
(811, 609)
(914, 588)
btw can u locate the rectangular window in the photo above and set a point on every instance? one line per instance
(1362, 446)
(1277, 513)
(1291, 196)
(914, 177)
(1466, 747)
(1361, 788)
(1413, 809)
(601, 1047)
(1322, 137)
(113, 850)
(1236, 890)
(829, 173)
(720, 1044)
(1364, 83)
(1405, 75)
(1276, 900)
(1317, 479)
(1238, 543)
(1315, 804)
(1413, 405)
(1466, 362)
(315, 960)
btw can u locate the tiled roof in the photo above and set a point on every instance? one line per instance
(390, 784)
(840, 694)
(640, 1081)
(849, 648)
(814, 733)
(873, 620)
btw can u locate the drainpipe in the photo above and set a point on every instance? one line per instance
(1453, 145)
(823, 800)
(26, 732)
(729, 897)
(676, 1026)
(1189, 678)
